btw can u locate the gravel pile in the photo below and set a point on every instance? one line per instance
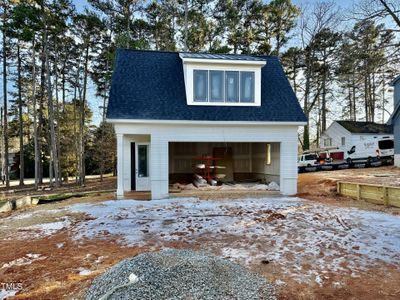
(179, 274)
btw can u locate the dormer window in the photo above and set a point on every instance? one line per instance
(223, 80)
(223, 86)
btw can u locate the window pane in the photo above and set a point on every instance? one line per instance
(232, 86)
(216, 86)
(386, 144)
(246, 86)
(143, 162)
(200, 85)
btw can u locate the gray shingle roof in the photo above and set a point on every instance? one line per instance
(366, 127)
(393, 82)
(149, 85)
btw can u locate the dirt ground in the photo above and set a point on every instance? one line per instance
(91, 184)
(321, 186)
(318, 249)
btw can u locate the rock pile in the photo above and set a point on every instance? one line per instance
(179, 274)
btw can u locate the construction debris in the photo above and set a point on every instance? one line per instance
(201, 184)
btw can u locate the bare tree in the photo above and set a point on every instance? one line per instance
(313, 21)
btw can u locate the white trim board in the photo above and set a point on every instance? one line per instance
(187, 122)
(210, 61)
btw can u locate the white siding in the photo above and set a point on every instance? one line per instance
(162, 134)
(336, 132)
(397, 160)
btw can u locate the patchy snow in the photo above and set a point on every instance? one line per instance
(26, 260)
(60, 245)
(308, 241)
(29, 214)
(45, 229)
(84, 272)
(288, 232)
(4, 294)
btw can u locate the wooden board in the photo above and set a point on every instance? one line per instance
(225, 153)
(378, 194)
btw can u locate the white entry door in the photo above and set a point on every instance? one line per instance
(143, 167)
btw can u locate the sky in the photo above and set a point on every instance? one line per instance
(96, 102)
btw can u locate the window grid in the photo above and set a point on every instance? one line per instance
(208, 92)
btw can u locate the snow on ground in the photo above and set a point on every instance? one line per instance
(84, 272)
(50, 228)
(26, 260)
(305, 239)
(4, 294)
(289, 232)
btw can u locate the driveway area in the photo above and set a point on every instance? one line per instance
(308, 250)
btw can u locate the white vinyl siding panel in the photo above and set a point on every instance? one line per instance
(162, 134)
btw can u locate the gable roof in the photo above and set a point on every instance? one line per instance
(366, 127)
(149, 85)
(395, 115)
(393, 82)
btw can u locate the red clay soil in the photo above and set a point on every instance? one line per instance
(322, 186)
(57, 276)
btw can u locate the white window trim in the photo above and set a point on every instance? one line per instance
(188, 69)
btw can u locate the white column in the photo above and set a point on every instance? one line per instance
(397, 160)
(120, 165)
(288, 167)
(159, 170)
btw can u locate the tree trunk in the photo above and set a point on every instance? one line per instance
(306, 133)
(40, 113)
(21, 121)
(35, 129)
(57, 116)
(82, 119)
(5, 111)
(186, 25)
(53, 144)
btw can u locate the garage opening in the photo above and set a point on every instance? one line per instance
(199, 165)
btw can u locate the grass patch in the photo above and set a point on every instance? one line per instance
(65, 196)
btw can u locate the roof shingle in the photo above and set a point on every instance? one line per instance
(150, 85)
(366, 127)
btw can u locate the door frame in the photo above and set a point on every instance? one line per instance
(133, 166)
(142, 183)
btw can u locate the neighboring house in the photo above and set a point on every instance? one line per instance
(345, 134)
(168, 108)
(395, 119)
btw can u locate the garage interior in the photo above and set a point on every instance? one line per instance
(220, 163)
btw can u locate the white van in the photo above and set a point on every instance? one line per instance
(386, 148)
(370, 150)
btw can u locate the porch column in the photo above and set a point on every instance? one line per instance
(120, 165)
(288, 167)
(159, 167)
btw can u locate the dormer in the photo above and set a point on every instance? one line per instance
(222, 79)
